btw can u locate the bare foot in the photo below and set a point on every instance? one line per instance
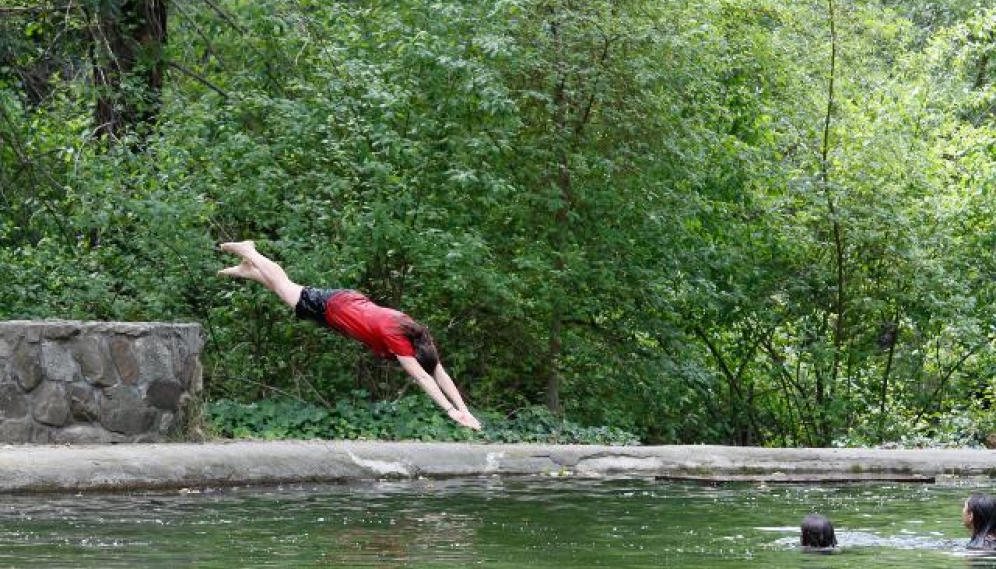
(240, 248)
(245, 270)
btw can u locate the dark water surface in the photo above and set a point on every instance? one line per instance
(493, 522)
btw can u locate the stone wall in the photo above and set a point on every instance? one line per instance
(97, 382)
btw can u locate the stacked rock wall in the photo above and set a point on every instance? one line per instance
(97, 382)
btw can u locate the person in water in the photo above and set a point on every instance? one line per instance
(979, 515)
(387, 332)
(817, 533)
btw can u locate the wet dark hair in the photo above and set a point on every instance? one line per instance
(425, 347)
(983, 509)
(817, 531)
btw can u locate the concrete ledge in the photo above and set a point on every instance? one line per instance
(164, 466)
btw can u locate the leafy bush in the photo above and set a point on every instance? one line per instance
(408, 418)
(963, 426)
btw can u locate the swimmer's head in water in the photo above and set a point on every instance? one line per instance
(979, 515)
(817, 531)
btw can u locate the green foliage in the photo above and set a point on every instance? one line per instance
(660, 214)
(408, 418)
(972, 425)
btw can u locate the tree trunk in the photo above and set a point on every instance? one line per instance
(563, 182)
(129, 73)
(555, 348)
(824, 420)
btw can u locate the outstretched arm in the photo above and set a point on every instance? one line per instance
(448, 387)
(428, 384)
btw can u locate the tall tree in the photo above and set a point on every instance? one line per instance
(583, 77)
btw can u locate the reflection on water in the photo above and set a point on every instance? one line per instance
(490, 522)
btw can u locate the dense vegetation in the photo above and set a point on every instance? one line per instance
(715, 221)
(408, 418)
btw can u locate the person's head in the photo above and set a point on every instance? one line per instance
(817, 531)
(423, 344)
(979, 515)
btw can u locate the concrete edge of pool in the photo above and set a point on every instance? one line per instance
(30, 468)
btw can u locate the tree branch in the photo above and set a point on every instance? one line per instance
(31, 10)
(198, 78)
(224, 16)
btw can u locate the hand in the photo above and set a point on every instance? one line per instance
(464, 418)
(476, 424)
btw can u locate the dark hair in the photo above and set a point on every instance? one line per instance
(983, 510)
(817, 531)
(424, 345)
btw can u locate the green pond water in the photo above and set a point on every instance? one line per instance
(492, 522)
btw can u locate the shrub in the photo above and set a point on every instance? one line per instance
(408, 418)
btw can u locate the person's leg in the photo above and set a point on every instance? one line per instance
(261, 270)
